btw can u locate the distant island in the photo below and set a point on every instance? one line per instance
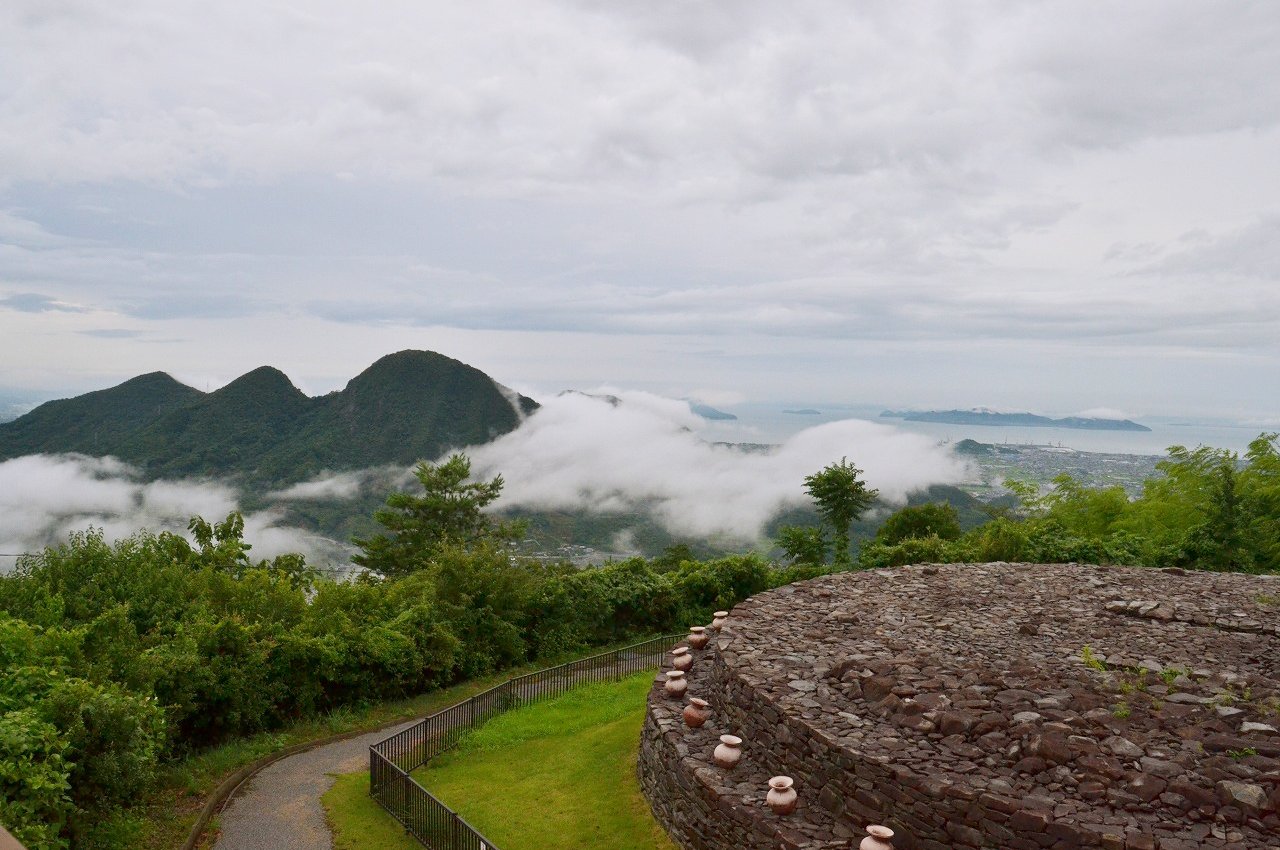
(983, 416)
(706, 411)
(804, 411)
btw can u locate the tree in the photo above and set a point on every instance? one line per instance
(803, 544)
(841, 497)
(449, 511)
(919, 521)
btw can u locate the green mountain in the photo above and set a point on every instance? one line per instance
(406, 407)
(95, 422)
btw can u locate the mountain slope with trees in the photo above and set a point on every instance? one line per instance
(95, 422)
(261, 428)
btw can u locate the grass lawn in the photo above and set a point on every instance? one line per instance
(162, 820)
(558, 775)
(359, 823)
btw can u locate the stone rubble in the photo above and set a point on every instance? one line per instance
(1000, 705)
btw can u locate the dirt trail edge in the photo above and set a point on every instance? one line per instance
(278, 808)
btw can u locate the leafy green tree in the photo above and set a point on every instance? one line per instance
(450, 510)
(673, 556)
(1260, 490)
(35, 780)
(841, 497)
(918, 521)
(1087, 511)
(910, 550)
(803, 544)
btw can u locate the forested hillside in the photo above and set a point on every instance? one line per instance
(261, 428)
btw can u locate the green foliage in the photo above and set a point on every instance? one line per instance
(918, 521)
(803, 544)
(1206, 510)
(450, 512)
(116, 657)
(841, 497)
(913, 550)
(35, 783)
(673, 556)
(1091, 659)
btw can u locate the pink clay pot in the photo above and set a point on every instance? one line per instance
(676, 684)
(698, 637)
(696, 712)
(728, 753)
(782, 796)
(717, 620)
(681, 659)
(877, 839)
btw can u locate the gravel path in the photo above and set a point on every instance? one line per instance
(279, 808)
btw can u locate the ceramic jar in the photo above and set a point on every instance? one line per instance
(717, 620)
(781, 797)
(681, 659)
(696, 712)
(676, 684)
(877, 839)
(698, 637)
(728, 753)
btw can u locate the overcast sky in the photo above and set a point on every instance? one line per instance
(1055, 206)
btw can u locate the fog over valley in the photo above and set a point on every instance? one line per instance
(607, 452)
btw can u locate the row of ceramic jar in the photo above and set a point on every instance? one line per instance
(781, 797)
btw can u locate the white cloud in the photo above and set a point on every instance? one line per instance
(1104, 413)
(924, 172)
(582, 452)
(44, 498)
(324, 487)
(717, 397)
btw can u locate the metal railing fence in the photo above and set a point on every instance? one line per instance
(433, 823)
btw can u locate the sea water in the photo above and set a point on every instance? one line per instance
(769, 423)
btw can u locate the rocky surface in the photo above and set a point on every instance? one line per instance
(995, 705)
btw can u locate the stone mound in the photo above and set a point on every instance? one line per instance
(998, 705)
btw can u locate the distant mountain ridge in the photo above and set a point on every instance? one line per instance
(984, 416)
(408, 406)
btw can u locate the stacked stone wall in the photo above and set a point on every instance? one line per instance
(1003, 706)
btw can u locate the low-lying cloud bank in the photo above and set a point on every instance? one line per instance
(624, 452)
(43, 498)
(628, 451)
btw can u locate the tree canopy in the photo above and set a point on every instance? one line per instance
(841, 496)
(936, 518)
(449, 511)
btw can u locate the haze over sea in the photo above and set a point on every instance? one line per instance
(768, 423)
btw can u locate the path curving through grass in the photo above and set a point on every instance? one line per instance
(557, 775)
